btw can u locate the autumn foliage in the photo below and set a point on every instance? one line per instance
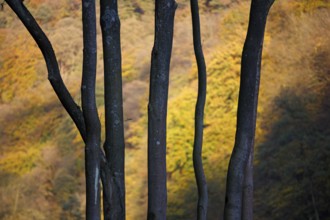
(41, 155)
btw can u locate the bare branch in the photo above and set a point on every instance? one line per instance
(54, 75)
(199, 115)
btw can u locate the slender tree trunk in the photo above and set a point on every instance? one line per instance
(199, 115)
(93, 127)
(157, 108)
(114, 206)
(246, 115)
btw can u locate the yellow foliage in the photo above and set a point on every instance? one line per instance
(128, 67)
(18, 72)
(308, 6)
(223, 33)
(20, 162)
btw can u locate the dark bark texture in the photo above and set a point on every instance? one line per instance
(199, 115)
(93, 126)
(114, 146)
(239, 171)
(157, 108)
(247, 203)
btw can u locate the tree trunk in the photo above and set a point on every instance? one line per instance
(246, 114)
(114, 146)
(157, 108)
(93, 126)
(199, 115)
(247, 212)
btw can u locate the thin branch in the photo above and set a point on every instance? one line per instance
(114, 146)
(54, 75)
(93, 126)
(157, 108)
(199, 115)
(235, 202)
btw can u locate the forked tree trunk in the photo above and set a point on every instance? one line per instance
(199, 115)
(87, 121)
(114, 183)
(236, 200)
(157, 108)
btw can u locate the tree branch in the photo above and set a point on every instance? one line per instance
(54, 75)
(114, 146)
(199, 115)
(246, 117)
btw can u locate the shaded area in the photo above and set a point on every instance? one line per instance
(292, 170)
(185, 208)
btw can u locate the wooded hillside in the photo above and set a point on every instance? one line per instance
(41, 152)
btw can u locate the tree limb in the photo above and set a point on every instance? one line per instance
(54, 75)
(199, 115)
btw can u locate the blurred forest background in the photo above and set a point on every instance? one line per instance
(41, 152)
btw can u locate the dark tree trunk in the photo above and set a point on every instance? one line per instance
(199, 115)
(114, 199)
(247, 206)
(246, 116)
(157, 108)
(93, 127)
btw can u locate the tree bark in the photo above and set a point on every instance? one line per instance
(114, 146)
(157, 108)
(199, 115)
(54, 75)
(93, 126)
(247, 209)
(246, 115)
